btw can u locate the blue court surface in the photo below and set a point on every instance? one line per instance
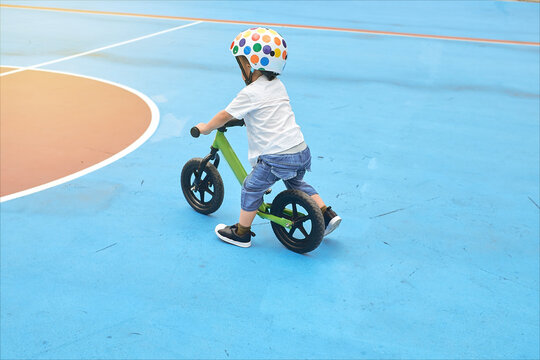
(428, 148)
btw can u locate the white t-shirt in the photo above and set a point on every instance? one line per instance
(271, 127)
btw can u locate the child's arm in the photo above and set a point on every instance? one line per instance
(217, 121)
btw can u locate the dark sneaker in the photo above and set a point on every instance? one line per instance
(331, 220)
(229, 235)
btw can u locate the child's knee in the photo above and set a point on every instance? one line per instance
(251, 200)
(254, 186)
(259, 179)
(301, 185)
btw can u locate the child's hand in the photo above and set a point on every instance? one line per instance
(204, 128)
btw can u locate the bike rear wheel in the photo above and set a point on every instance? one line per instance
(307, 230)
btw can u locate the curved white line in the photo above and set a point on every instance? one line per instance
(141, 140)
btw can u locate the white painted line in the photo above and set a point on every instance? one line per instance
(99, 49)
(137, 143)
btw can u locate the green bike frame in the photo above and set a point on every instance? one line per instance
(221, 143)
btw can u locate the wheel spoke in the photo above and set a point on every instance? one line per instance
(201, 192)
(301, 219)
(291, 231)
(294, 210)
(209, 191)
(303, 230)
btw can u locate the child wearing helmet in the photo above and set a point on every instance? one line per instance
(276, 146)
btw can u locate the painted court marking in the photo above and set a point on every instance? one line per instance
(154, 121)
(99, 49)
(146, 135)
(154, 110)
(309, 27)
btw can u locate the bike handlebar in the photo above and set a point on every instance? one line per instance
(234, 122)
(195, 132)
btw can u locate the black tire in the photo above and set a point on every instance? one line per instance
(298, 202)
(210, 195)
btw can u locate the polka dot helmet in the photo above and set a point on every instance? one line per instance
(264, 48)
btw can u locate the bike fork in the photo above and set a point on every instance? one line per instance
(212, 156)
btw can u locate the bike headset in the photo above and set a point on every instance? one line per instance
(264, 49)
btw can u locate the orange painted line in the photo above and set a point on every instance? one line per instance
(312, 27)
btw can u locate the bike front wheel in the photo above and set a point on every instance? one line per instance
(208, 197)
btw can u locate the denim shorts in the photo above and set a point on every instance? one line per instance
(290, 168)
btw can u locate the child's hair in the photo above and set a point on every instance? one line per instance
(270, 75)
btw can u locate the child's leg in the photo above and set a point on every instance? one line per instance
(252, 197)
(255, 185)
(318, 200)
(298, 183)
(246, 217)
(253, 189)
(331, 219)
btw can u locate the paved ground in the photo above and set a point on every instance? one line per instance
(428, 149)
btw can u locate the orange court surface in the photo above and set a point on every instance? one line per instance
(54, 125)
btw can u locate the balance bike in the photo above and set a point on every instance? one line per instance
(296, 219)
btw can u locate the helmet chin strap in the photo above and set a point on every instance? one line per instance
(247, 79)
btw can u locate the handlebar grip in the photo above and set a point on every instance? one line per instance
(195, 132)
(235, 122)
